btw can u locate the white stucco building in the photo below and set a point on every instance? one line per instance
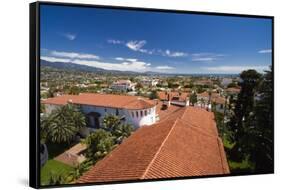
(123, 85)
(131, 109)
(151, 82)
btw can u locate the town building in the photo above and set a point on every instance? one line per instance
(174, 98)
(134, 110)
(123, 85)
(149, 82)
(180, 145)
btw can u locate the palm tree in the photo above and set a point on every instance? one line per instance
(62, 124)
(121, 132)
(110, 122)
(118, 129)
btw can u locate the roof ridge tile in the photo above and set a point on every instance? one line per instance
(158, 151)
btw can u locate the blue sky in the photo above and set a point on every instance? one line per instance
(161, 42)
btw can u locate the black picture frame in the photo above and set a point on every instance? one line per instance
(34, 85)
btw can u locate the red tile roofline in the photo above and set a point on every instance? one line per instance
(225, 168)
(158, 151)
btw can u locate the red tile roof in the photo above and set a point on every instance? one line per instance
(219, 100)
(103, 100)
(233, 90)
(59, 100)
(182, 96)
(184, 144)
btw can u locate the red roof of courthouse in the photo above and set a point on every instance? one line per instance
(103, 100)
(184, 144)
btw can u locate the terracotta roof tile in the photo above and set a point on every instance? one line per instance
(175, 147)
(103, 100)
(59, 100)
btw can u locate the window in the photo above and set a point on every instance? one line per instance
(105, 109)
(137, 113)
(141, 113)
(133, 114)
(117, 112)
(145, 112)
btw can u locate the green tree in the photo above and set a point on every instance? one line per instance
(62, 124)
(139, 86)
(232, 85)
(110, 122)
(262, 153)
(153, 95)
(79, 170)
(99, 144)
(57, 179)
(242, 119)
(193, 99)
(119, 130)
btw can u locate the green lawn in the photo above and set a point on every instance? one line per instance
(53, 167)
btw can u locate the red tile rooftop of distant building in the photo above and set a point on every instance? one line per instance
(182, 96)
(184, 144)
(103, 100)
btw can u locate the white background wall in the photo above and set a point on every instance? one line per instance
(14, 93)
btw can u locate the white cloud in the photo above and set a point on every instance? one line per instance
(206, 57)
(173, 54)
(136, 45)
(233, 69)
(265, 51)
(73, 55)
(125, 59)
(119, 58)
(70, 36)
(131, 60)
(132, 65)
(164, 67)
(54, 59)
(112, 41)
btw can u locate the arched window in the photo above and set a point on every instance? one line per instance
(137, 113)
(133, 115)
(141, 113)
(145, 112)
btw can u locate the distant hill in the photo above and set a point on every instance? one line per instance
(70, 66)
(85, 68)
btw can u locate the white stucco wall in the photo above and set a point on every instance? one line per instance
(131, 116)
(139, 119)
(135, 121)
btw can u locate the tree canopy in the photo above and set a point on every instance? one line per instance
(62, 124)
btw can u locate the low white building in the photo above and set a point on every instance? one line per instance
(131, 109)
(123, 85)
(149, 82)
